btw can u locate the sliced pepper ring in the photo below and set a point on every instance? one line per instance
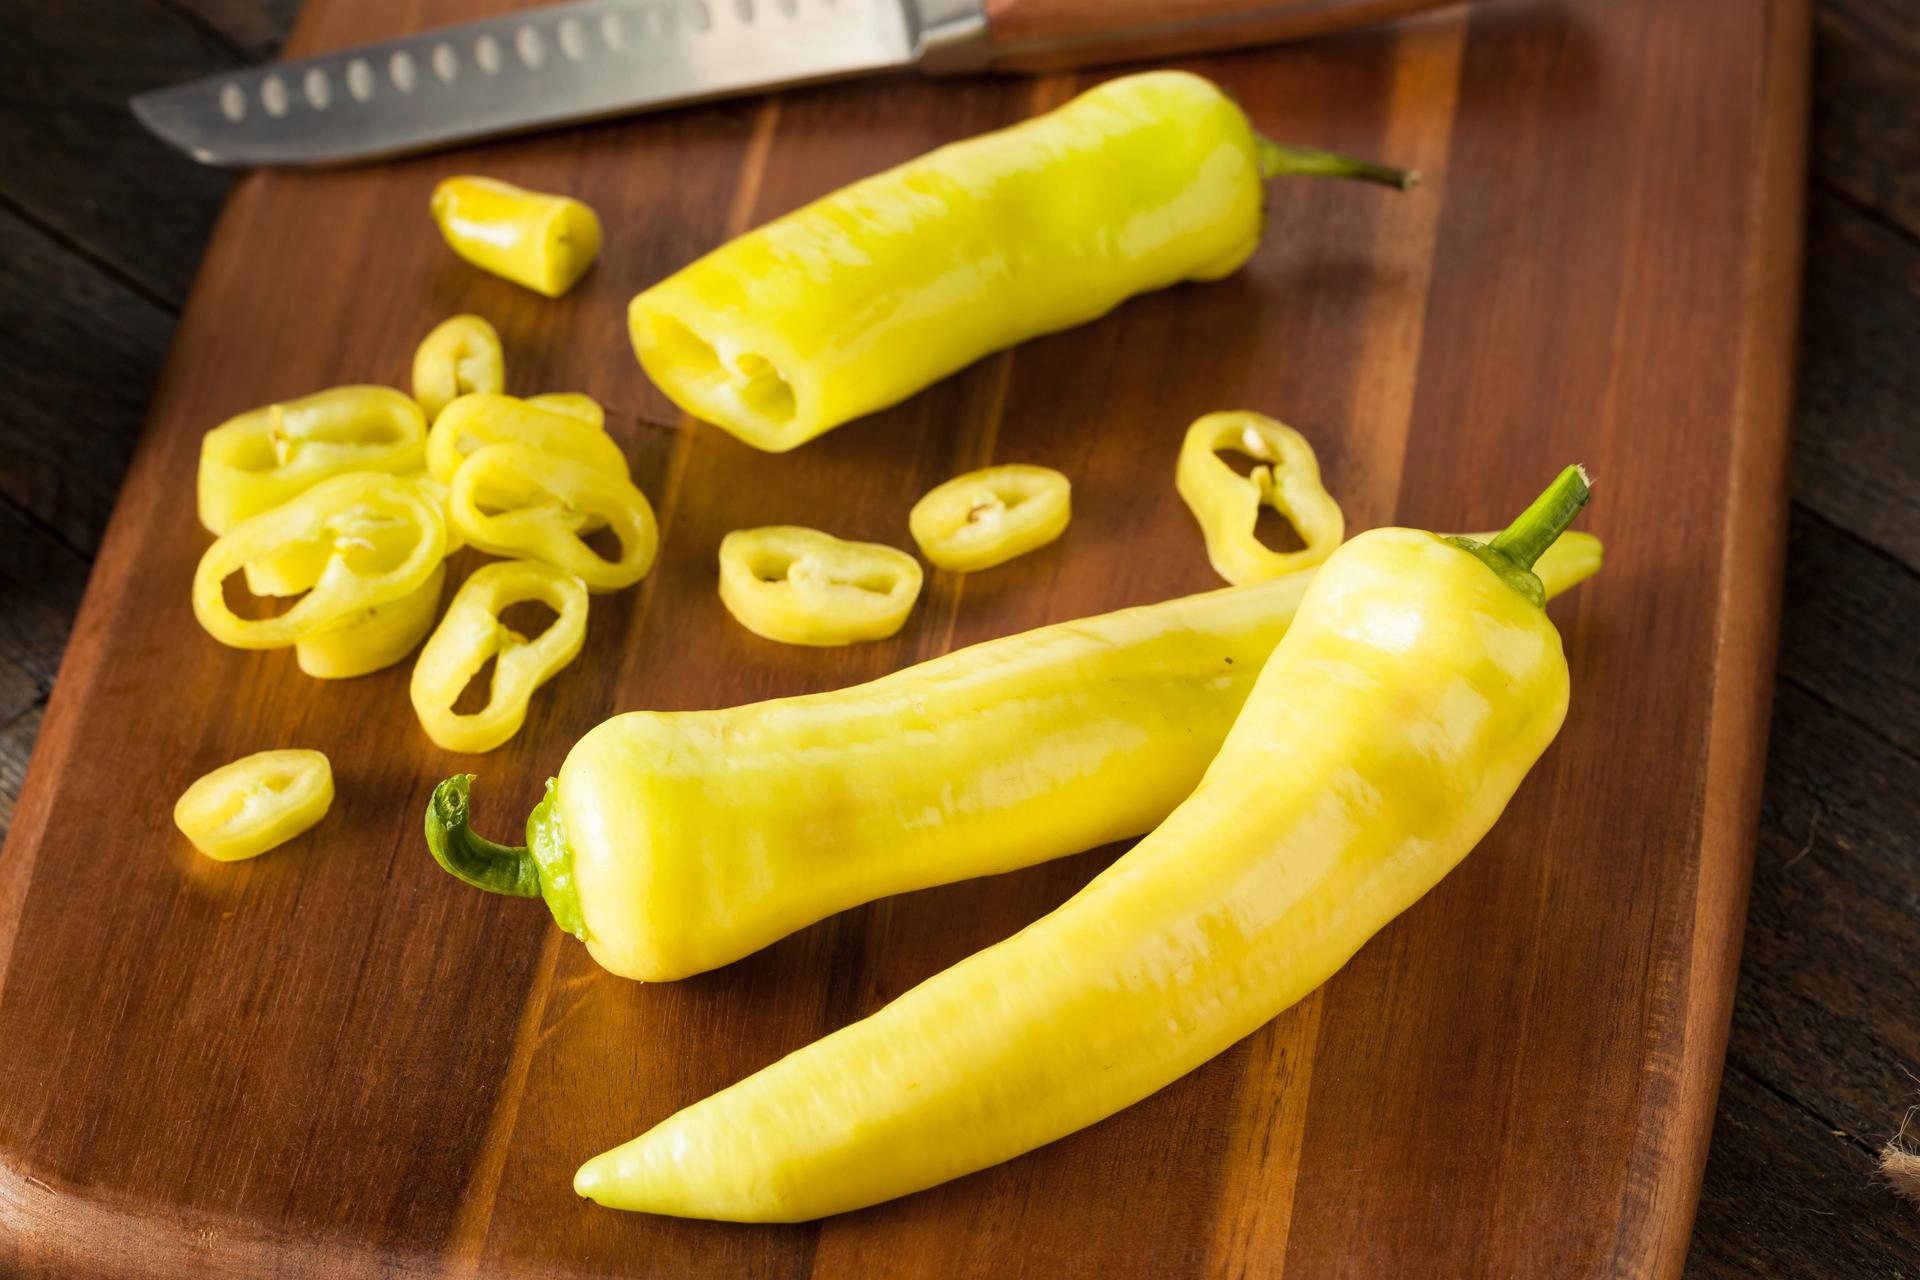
(1227, 504)
(376, 637)
(461, 356)
(542, 241)
(802, 586)
(478, 420)
(574, 404)
(471, 632)
(988, 517)
(374, 536)
(260, 459)
(297, 571)
(510, 500)
(247, 807)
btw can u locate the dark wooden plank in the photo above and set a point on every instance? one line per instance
(1786, 1196)
(1866, 121)
(1856, 449)
(82, 352)
(78, 163)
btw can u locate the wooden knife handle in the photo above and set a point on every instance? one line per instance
(1041, 35)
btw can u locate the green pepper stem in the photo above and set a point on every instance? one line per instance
(1513, 551)
(1278, 160)
(1534, 530)
(497, 868)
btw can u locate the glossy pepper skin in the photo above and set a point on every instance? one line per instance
(1384, 737)
(864, 297)
(374, 638)
(690, 839)
(544, 242)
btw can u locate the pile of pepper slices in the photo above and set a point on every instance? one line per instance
(1307, 751)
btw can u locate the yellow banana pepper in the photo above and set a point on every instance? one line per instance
(1227, 504)
(472, 632)
(988, 517)
(510, 500)
(574, 405)
(864, 297)
(258, 460)
(802, 586)
(695, 838)
(1417, 686)
(243, 809)
(542, 241)
(361, 540)
(376, 637)
(461, 356)
(570, 432)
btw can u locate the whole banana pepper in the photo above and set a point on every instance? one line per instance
(675, 842)
(1416, 688)
(864, 297)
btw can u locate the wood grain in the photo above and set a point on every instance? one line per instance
(1043, 35)
(335, 1060)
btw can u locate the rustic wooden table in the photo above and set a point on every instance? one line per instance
(100, 230)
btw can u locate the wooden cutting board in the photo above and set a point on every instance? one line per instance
(336, 1060)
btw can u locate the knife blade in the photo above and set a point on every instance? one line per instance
(590, 59)
(539, 67)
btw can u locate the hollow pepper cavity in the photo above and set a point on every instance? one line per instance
(862, 298)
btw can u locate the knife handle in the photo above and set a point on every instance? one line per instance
(1046, 35)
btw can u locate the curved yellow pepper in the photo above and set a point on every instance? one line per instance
(542, 241)
(510, 500)
(1417, 686)
(461, 356)
(988, 517)
(376, 637)
(802, 586)
(569, 432)
(1227, 504)
(373, 537)
(574, 405)
(245, 808)
(472, 632)
(862, 298)
(676, 842)
(258, 460)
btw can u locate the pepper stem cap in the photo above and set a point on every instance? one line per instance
(1512, 552)
(470, 857)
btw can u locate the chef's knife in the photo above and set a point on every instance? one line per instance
(591, 59)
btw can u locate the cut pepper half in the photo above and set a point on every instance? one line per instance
(245, 808)
(510, 500)
(545, 242)
(363, 539)
(260, 459)
(988, 517)
(473, 421)
(802, 586)
(1286, 477)
(472, 632)
(461, 356)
